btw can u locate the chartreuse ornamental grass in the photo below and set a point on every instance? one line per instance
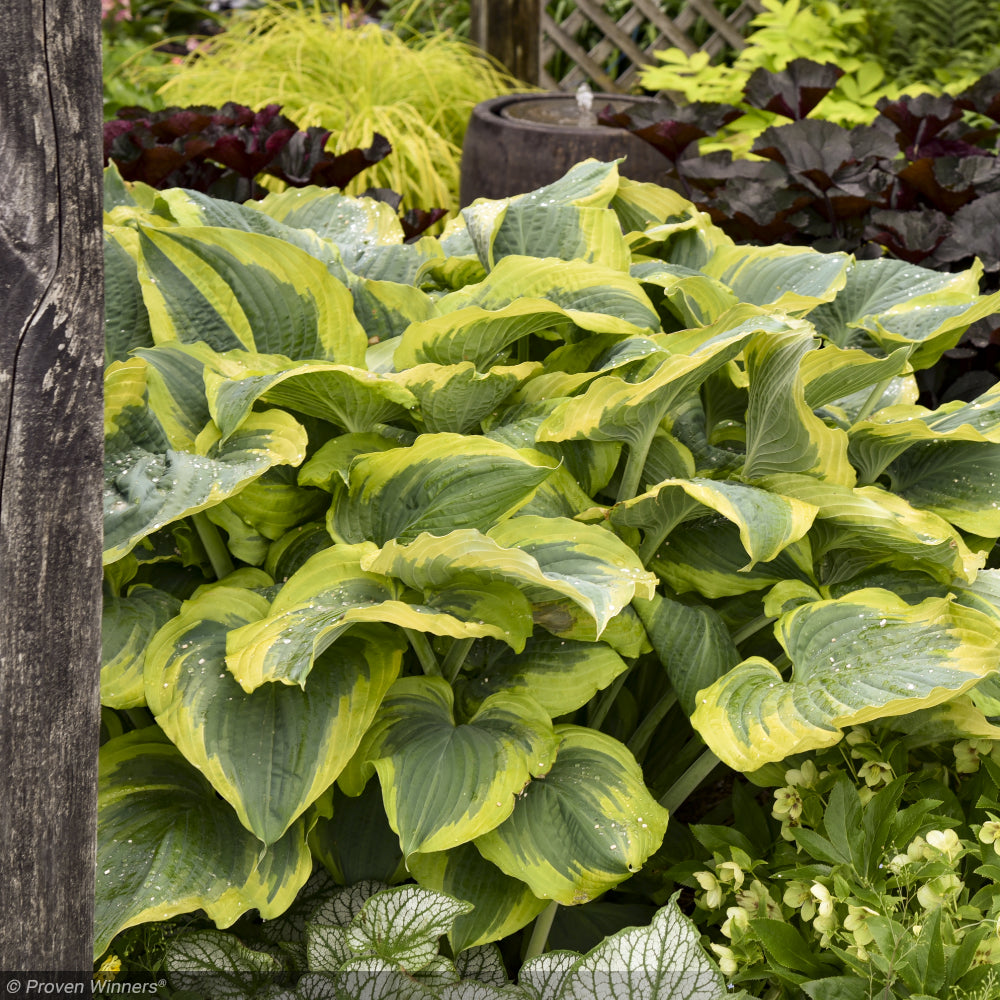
(443, 560)
(355, 81)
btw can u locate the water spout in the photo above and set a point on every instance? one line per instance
(585, 105)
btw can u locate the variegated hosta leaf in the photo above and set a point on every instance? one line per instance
(692, 642)
(456, 397)
(264, 511)
(548, 559)
(167, 844)
(793, 280)
(148, 484)
(957, 480)
(355, 226)
(383, 307)
(175, 381)
(854, 659)
(559, 496)
(640, 204)
(560, 674)
(567, 219)
(525, 295)
(708, 557)
(236, 290)
(351, 398)
(440, 483)
(832, 373)
(193, 208)
(958, 719)
(568, 232)
(287, 554)
(783, 434)
(616, 409)
(126, 322)
(501, 905)
(403, 925)
(876, 287)
(590, 463)
(876, 443)
(931, 327)
(332, 460)
(273, 751)
(127, 625)
(331, 594)
(896, 304)
(883, 526)
(693, 298)
(662, 961)
(767, 522)
(583, 827)
(445, 783)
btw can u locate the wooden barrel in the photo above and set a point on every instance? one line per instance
(506, 154)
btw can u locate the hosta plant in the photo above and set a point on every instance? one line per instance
(442, 561)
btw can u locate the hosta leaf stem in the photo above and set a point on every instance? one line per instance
(455, 657)
(540, 931)
(639, 742)
(878, 391)
(421, 646)
(751, 628)
(603, 706)
(215, 547)
(635, 464)
(689, 781)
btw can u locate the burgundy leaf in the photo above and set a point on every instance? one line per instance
(417, 220)
(305, 161)
(668, 127)
(910, 236)
(984, 96)
(795, 90)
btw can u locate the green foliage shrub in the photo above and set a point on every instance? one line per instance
(821, 30)
(354, 81)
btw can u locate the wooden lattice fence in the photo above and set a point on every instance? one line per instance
(541, 42)
(630, 40)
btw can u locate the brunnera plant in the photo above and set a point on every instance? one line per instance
(445, 559)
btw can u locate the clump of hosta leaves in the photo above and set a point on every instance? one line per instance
(883, 880)
(444, 560)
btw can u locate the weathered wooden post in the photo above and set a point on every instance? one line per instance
(51, 356)
(511, 32)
